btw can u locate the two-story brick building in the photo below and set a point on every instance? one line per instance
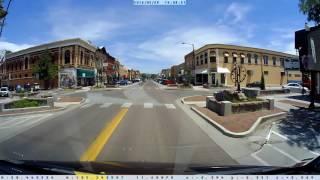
(75, 59)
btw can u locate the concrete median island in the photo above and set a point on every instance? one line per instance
(238, 125)
(28, 105)
(233, 113)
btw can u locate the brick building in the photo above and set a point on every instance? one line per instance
(75, 59)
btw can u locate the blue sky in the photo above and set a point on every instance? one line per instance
(149, 38)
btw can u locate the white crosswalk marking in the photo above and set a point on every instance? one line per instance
(170, 106)
(105, 105)
(148, 105)
(86, 105)
(126, 105)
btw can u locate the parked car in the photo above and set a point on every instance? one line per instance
(129, 82)
(166, 82)
(136, 80)
(254, 84)
(36, 87)
(4, 92)
(295, 87)
(123, 82)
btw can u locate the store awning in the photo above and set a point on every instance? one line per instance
(223, 70)
(85, 73)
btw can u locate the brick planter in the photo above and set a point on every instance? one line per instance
(44, 102)
(224, 108)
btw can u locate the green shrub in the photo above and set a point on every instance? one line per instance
(25, 103)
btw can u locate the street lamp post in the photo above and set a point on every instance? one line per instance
(194, 59)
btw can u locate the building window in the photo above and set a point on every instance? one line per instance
(289, 75)
(266, 73)
(67, 57)
(256, 59)
(226, 59)
(265, 60)
(201, 62)
(201, 56)
(242, 60)
(81, 57)
(197, 62)
(213, 59)
(206, 60)
(274, 61)
(25, 75)
(205, 54)
(234, 59)
(297, 75)
(282, 62)
(249, 58)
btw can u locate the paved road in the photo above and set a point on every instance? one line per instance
(141, 123)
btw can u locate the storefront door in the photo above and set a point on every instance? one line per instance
(223, 79)
(213, 78)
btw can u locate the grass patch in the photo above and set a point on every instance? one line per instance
(25, 103)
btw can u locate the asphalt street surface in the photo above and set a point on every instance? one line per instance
(140, 123)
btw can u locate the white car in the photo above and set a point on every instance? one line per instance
(4, 92)
(296, 88)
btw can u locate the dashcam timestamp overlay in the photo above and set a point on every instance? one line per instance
(159, 2)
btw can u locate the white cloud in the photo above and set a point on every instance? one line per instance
(237, 12)
(4, 45)
(68, 22)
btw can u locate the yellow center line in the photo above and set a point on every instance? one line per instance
(97, 145)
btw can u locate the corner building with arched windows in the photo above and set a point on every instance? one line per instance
(75, 59)
(212, 64)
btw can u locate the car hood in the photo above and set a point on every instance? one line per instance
(135, 168)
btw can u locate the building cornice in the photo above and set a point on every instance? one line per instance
(241, 48)
(66, 42)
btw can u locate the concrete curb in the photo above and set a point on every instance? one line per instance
(33, 112)
(192, 102)
(241, 134)
(105, 89)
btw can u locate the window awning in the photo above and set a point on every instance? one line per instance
(204, 71)
(242, 55)
(223, 70)
(226, 54)
(234, 55)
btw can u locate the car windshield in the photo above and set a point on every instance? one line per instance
(160, 82)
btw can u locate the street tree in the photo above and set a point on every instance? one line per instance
(311, 8)
(45, 68)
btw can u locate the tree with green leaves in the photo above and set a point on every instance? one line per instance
(45, 68)
(311, 8)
